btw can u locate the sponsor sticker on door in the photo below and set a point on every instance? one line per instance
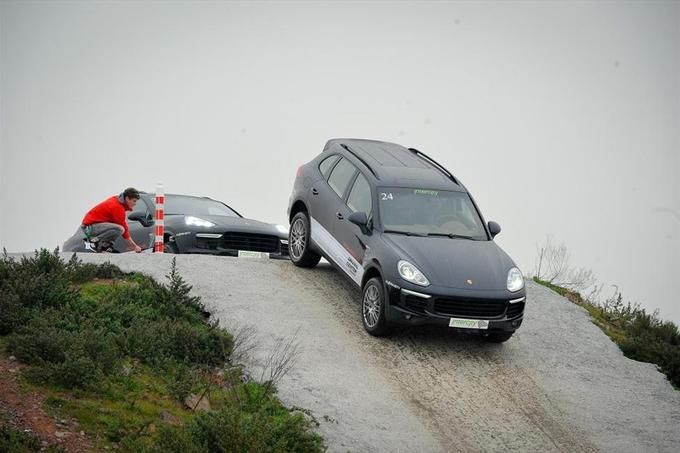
(249, 254)
(469, 323)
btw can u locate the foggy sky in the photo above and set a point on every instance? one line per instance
(563, 119)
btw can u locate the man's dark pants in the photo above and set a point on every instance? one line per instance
(103, 232)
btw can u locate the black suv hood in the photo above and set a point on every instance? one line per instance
(226, 223)
(451, 262)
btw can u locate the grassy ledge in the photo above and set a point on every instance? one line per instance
(640, 335)
(135, 363)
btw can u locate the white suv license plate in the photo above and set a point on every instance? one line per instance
(469, 323)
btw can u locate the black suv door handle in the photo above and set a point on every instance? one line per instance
(339, 215)
(314, 191)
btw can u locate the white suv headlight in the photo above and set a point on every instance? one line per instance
(515, 280)
(197, 221)
(282, 229)
(410, 273)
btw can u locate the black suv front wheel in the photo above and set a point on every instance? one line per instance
(299, 240)
(373, 308)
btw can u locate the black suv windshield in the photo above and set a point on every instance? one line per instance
(196, 206)
(429, 212)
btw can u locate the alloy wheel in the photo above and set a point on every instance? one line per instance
(298, 236)
(371, 306)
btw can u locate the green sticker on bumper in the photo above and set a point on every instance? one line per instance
(469, 323)
(249, 254)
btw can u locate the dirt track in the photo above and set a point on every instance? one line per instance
(558, 385)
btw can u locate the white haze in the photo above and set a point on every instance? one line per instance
(563, 119)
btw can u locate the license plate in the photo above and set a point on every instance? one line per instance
(469, 323)
(249, 254)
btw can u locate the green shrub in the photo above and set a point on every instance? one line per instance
(181, 381)
(266, 427)
(84, 272)
(75, 331)
(71, 358)
(647, 347)
(163, 341)
(129, 348)
(176, 298)
(13, 441)
(32, 283)
(12, 312)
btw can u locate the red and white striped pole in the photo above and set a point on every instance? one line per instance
(160, 225)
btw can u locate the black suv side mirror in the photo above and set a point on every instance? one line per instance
(359, 218)
(494, 228)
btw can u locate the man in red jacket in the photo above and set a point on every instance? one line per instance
(104, 223)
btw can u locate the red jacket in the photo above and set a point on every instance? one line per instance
(110, 210)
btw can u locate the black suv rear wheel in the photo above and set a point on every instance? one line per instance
(299, 237)
(373, 308)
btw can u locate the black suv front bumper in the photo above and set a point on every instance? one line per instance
(498, 312)
(230, 244)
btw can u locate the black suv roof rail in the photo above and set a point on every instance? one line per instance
(437, 165)
(360, 160)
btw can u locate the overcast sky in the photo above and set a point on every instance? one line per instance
(563, 119)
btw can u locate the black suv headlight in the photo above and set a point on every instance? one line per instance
(410, 273)
(515, 280)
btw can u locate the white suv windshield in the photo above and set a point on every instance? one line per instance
(429, 212)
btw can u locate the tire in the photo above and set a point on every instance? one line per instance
(169, 247)
(498, 337)
(373, 308)
(299, 242)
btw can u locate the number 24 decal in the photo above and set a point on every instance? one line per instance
(386, 196)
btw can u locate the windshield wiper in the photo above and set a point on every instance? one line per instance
(407, 233)
(452, 236)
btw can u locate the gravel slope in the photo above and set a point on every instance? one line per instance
(558, 385)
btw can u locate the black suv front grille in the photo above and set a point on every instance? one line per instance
(252, 242)
(470, 308)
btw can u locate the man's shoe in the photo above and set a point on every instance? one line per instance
(106, 247)
(90, 246)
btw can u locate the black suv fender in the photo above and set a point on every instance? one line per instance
(297, 206)
(372, 269)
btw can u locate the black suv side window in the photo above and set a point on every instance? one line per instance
(340, 177)
(326, 165)
(360, 196)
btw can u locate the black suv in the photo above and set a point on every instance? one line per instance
(198, 225)
(409, 234)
